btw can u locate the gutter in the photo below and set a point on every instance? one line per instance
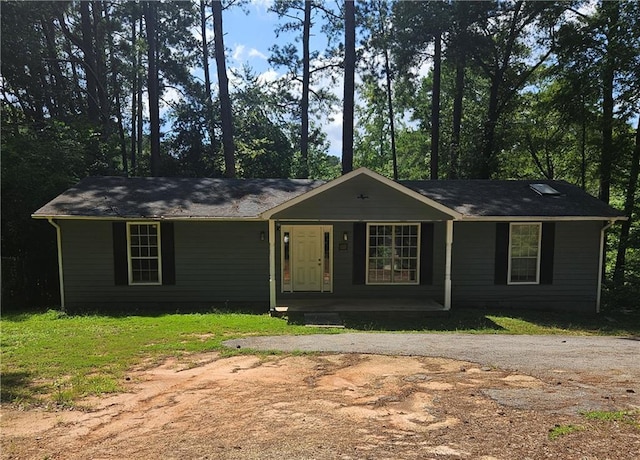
(60, 273)
(601, 262)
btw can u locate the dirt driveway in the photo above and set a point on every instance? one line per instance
(339, 406)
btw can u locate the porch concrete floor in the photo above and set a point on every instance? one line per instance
(357, 305)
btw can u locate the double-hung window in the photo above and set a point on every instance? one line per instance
(393, 253)
(143, 247)
(524, 253)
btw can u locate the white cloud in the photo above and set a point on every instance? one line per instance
(241, 54)
(262, 4)
(238, 52)
(255, 53)
(268, 77)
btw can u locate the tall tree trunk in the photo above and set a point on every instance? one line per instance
(61, 104)
(89, 62)
(435, 106)
(583, 148)
(140, 117)
(458, 98)
(612, 13)
(101, 67)
(349, 85)
(304, 103)
(388, 78)
(140, 108)
(77, 96)
(153, 85)
(207, 74)
(487, 160)
(114, 63)
(223, 85)
(134, 94)
(629, 203)
(392, 122)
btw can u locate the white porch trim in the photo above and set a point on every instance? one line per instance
(447, 266)
(272, 264)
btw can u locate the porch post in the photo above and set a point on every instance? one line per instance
(447, 266)
(272, 264)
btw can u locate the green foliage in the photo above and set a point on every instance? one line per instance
(530, 106)
(563, 430)
(614, 416)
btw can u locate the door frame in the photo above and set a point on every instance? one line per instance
(286, 235)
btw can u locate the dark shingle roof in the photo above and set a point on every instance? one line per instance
(504, 198)
(174, 197)
(154, 197)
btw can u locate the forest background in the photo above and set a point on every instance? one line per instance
(441, 89)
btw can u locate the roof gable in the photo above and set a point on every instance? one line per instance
(352, 191)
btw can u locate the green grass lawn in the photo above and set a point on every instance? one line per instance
(54, 358)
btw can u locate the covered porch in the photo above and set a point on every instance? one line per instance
(361, 243)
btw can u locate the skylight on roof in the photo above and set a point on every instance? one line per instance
(544, 189)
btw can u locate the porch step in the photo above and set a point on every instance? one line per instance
(323, 320)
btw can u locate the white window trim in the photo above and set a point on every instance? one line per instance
(129, 259)
(539, 256)
(366, 259)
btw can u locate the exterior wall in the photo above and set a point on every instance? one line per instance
(215, 263)
(343, 286)
(227, 262)
(341, 202)
(575, 269)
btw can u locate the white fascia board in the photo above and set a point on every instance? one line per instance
(539, 218)
(367, 172)
(152, 218)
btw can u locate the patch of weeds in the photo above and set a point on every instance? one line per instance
(630, 417)
(562, 430)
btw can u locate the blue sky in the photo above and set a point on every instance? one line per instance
(248, 38)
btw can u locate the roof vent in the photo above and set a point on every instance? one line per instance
(544, 189)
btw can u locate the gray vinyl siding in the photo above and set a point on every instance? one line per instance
(217, 263)
(343, 286)
(575, 271)
(382, 203)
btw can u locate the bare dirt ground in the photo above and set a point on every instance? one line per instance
(330, 406)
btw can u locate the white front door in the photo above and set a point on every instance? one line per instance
(307, 258)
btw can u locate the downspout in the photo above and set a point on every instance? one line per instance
(601, 264)
(60, 273)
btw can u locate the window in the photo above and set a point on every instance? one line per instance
(392, 253)
(143, 244)
(524, 253)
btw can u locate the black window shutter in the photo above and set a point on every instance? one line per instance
(168, 253)
(120, 262)
(359, 252)
(426, 253)
(502, 253)
(546, 252)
